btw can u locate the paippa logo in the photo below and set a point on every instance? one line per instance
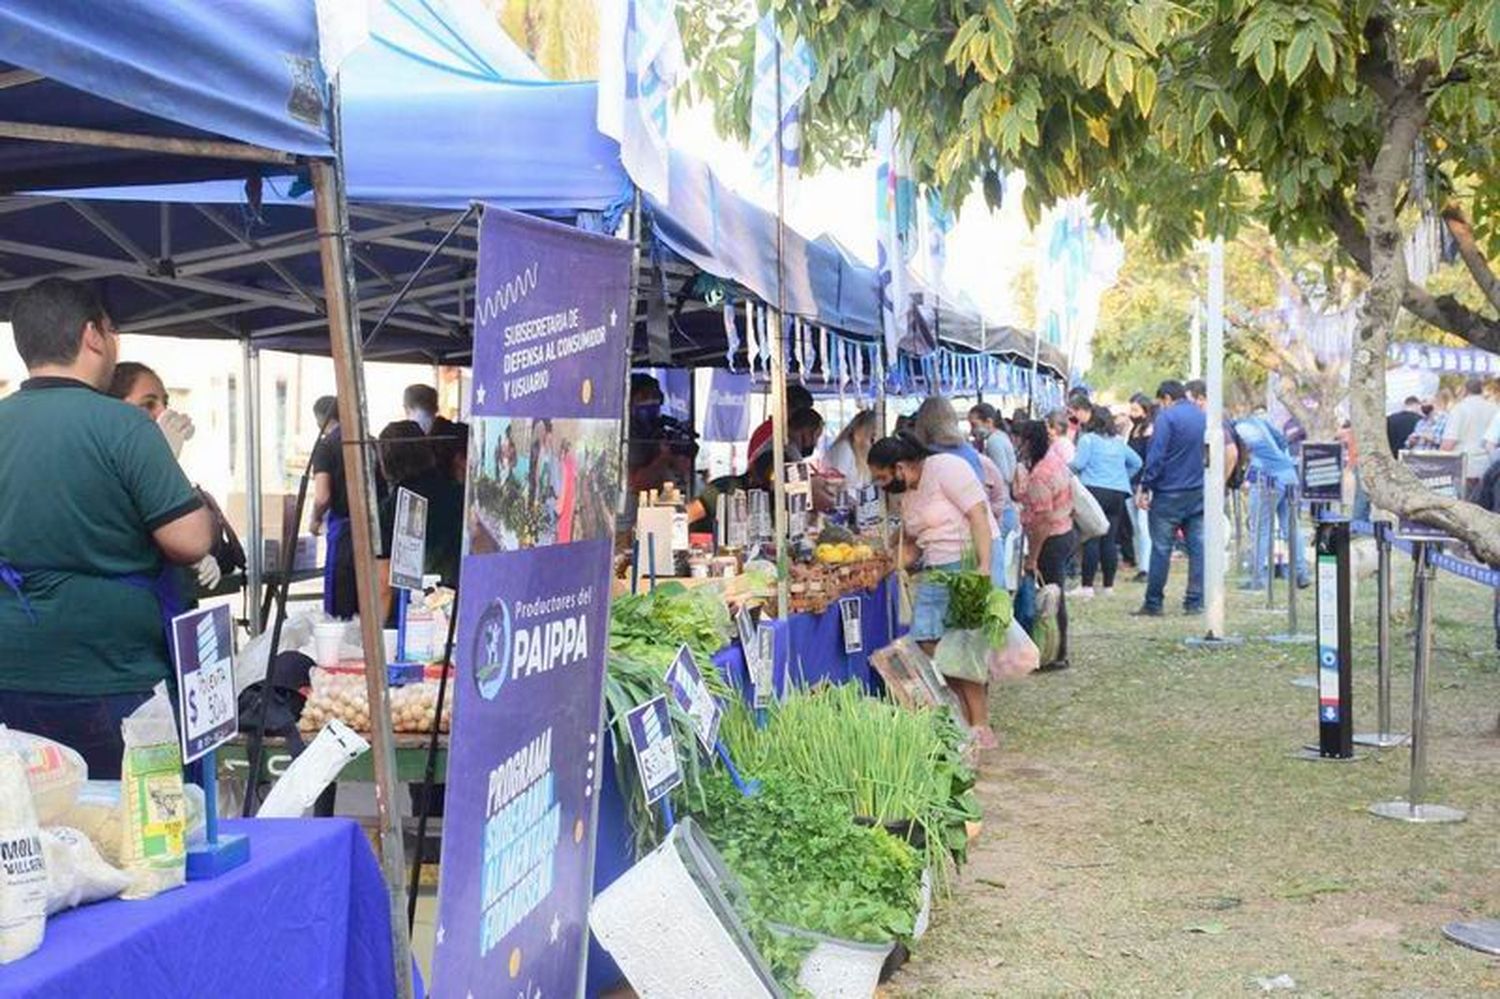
(492, 650)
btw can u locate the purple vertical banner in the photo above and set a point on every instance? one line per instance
(550, 344)
(727, 414)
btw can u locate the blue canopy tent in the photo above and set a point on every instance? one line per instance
(159, 90)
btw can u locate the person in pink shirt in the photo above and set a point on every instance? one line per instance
(1047, 517)
(945, 514)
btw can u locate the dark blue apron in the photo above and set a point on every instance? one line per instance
(337, 528)
(169, 599)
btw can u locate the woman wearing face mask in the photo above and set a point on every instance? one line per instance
(1142, 422)
(143, 388)
(945, 515)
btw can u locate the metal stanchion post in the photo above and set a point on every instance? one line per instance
(1237, 511)
(1382, 737)
(1293, 550)
(1414, 809)
(1481, 935)
(1268, 524)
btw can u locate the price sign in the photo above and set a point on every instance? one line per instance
(692, 695)
(1443, 473)
(655, 751)
(1322, 472)
(203, 650)
(851, 614)
(798, 477)
(409, 541)
(868, 511)
(763, 673)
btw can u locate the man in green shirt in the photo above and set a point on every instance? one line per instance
(93, 509)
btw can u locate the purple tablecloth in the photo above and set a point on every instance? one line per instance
(307, 916)
(810, 647)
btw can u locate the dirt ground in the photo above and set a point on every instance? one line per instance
(1149, 832)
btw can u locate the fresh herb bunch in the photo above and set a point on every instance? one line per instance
(650, 627)
(975, 603)
(645, 633)
(804, 864)
(877, 760)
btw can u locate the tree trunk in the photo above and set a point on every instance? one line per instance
(1390, 485)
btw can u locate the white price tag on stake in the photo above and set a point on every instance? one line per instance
(851, 614)
(763, 675)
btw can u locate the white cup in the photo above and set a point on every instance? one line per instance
(328, 642)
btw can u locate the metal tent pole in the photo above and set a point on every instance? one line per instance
(344, 337)
(778, 369)
(254, 529)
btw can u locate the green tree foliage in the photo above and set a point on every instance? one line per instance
(1190, 118)
(562, 36)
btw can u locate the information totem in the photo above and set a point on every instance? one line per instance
(1335, 666)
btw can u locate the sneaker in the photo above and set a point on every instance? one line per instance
(1140, 577)
(1192, 611)
(1107, 591)
(1081, 593)
(1146, 612)
(1055, 666)
(1250, 586)
(1303, 583)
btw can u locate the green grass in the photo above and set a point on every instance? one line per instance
(1149, 833)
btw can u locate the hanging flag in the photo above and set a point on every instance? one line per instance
(640, 60)
(939, 222)
(797, 70)
(731, 334)
(894, 229)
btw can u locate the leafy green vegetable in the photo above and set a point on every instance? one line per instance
(876, 760)
(803, 863)
(645, 632)
(976, 604)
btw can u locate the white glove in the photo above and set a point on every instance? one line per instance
(208, 572)
(177, 428)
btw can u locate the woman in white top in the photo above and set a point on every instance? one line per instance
(849, 454)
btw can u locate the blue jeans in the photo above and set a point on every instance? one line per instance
(1266, 518)
(1141, 520)
(90, 725)
(1170, 511)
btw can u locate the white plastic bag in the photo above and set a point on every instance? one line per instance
(250, 664)
(1019, 657)
(54, 771)
(313, 770)
(76, 873)
(1088, 515)
(153, 847)
(23, 868)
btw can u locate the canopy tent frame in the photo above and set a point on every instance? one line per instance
(342, 317)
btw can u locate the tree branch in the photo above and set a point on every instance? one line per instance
(1473, 258)
(1391, 485)
(1445, 312)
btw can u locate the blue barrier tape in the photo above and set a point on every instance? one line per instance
(1462, 568)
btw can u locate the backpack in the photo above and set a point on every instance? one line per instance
(1241, 459)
